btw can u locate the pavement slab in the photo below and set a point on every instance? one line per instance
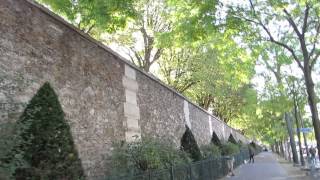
(268, 166)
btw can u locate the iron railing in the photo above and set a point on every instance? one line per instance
(209, 169)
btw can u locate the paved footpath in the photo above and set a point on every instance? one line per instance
(267, 167)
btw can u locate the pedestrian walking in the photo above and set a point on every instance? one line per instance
(230, 162)
(251, 152)
(312, 152)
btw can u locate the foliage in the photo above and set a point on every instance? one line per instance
(210, 150)
(214, 74)
(6, 144)
(43, 146)
(139, 40)
(146, 154)
(190, 146)
(94, 17)
(229, 149)
(191, 20)
(292, 27)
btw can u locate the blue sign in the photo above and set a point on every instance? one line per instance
(305, 130)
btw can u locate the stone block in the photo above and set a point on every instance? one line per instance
(131, 96)
(129, 83)
(130, 72)
(131, 110)
(133, 124)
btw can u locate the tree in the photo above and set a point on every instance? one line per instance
(275, 59)
(139, 38)
(269, 125)
(176, 68)
(94, 17)
(214, 74)
(293, 23)
(44, 142)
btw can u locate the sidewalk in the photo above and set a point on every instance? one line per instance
(294, 173)
(268, 166)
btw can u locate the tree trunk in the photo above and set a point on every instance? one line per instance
(313, 106)
(273, 148)
(282, 149)
(304, 134)
(291, 136)
(298, 133)
(289, 152)
(277, 148)
(286, 151)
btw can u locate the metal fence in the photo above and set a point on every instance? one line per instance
(209, 169)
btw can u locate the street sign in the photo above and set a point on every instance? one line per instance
(306, 130)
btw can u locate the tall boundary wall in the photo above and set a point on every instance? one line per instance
(105, 98)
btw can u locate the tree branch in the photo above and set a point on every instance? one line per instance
(90, 28)
(138, 57)
(292, 23)
(315, 41)
(305, 19)
(289, 49)
(187, 86)
(157, 55)
(269, 66)
(271, 38)
(300, 36)
(314, 60)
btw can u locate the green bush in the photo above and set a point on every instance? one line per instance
(146, 154)
(189, 145)
(43, 146)
(243, 146)
(229, 149)
(210, 150)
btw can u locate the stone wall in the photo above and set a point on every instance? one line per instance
(104, 97)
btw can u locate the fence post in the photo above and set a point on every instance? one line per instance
(149, 174)
(190, 171)
(171, 173)
(210, 168)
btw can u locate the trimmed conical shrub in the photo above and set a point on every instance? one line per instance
(44, 142)
(232, 139)
(215, 139)
(189, 145)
